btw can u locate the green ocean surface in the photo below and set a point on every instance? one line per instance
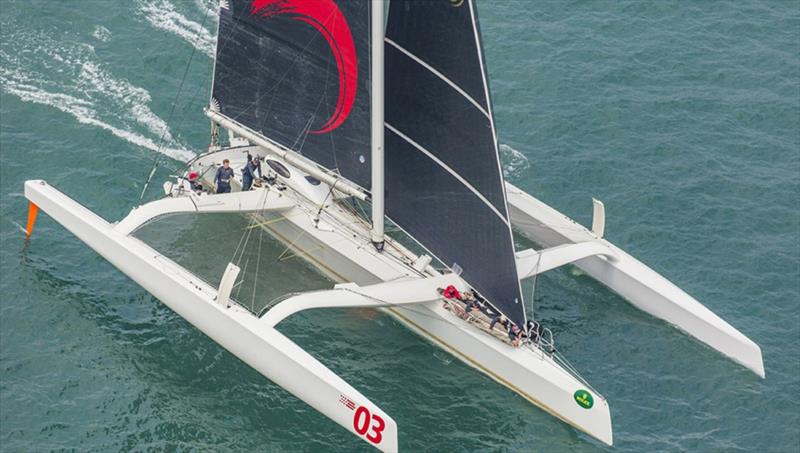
(683, 117)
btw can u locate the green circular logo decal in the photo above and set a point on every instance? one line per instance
(584, 399)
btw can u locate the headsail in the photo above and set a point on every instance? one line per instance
(444, 182)
(297, 72)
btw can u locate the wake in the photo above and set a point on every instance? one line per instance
(81, 110)
(88, 92)
(163, 15)
(513, 161)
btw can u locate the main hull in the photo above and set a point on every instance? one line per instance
(331, 247)
(528, 371)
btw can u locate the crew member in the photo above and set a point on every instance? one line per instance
(450, 292)
(515, 334)
(249, 173)
(499, 318)
(194, 182)
(223, 177)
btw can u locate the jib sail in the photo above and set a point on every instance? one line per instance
(444, 182)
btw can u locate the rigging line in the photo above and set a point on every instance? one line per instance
(238, 285)
(172, 109)
(245, 237)
(291, 244)
(305, 252)
(535, 280)
(244, 247)
(258, 262)
(325, 200)
(185, 109)
(302, 135)
(398, 256)
(250, 231)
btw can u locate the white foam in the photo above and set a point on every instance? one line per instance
(101, 33)
(164, 16)
(208, 6)
(81, 110)
(99, 83)
(67, 76)
(514, 162)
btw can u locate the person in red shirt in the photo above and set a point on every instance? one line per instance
(451, 292)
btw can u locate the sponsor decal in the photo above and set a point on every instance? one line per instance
(584, 399)
(347, 402)
(365, 424)
(329, 21)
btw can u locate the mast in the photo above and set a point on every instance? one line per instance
(376, 107)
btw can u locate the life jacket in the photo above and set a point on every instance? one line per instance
(224, 175)
(451, 293)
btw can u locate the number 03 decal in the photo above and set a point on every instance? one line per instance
(370, 424)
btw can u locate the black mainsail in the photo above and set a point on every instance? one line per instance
(298, 73)
(444, 182)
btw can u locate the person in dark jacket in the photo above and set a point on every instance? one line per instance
(515, 334)
(223, 177)
(471, 302)
(501, 319)
(249, 173)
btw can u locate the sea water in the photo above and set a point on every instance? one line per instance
(683, 117)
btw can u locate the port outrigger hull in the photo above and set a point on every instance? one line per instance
(640, 285)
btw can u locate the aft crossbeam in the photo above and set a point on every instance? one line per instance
(532, 262)
(401, 292)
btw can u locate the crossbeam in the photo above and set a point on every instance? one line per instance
(531, 262)
(248, 201)
(400, 292)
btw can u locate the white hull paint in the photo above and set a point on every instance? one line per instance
(236, 329)
(305, 218)
(529, 372)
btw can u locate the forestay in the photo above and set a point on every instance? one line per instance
(444, 182)
(298, 73)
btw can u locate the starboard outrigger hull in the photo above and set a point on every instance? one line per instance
(637, 283)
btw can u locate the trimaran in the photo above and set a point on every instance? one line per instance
(345, 108)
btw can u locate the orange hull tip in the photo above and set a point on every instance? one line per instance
(33, 211)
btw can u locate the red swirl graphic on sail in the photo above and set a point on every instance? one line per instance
(328, 19)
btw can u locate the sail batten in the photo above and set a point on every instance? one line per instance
(438, 74)
(449, 170)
